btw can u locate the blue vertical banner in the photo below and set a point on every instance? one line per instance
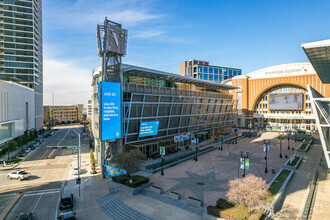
(111, 110)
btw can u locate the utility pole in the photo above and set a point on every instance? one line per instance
(78, 153)
(288, 140)
(196, 139)
(266, 148)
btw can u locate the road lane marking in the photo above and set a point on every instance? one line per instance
(11, 194)
(36, 204)
(63, 137)
(41, 193)
(43, 190)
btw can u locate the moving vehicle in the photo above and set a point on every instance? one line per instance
(75, 171)
(67, 216)
(20, 175)
(66, 201)
(73, 136)
(24, 216)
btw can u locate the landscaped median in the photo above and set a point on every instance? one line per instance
(132, 184)
(304, 146)
(293, 162)
(277, 186)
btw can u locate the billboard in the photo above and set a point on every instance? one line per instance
(148, 128)
(111, 110)
(285, 101)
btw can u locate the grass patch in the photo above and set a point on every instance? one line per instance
(303, 146)
(277, 184)
(294, 162)
(177, 159)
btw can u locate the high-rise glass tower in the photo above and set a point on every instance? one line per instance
(21, 47)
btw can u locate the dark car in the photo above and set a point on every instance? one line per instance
(66, 216)
(24, 216)
(73, 136)
(297, 131)
(66, 201)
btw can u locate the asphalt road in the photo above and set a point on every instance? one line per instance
(49, 165)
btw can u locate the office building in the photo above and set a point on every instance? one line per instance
(21, 64)
(60, 114)
(202, 70)
(89, 109)
(182, 105)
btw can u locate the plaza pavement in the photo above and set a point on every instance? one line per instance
(207, 178)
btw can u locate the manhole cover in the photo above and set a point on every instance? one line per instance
(200, 183)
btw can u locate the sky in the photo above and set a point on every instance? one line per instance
(245, 34)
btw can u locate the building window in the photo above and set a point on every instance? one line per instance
(211, 77)
(200, 69)
(216, 71)
(210, 70)
(205, 70)
(205, 77)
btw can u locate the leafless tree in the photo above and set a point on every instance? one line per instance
(249, 191)
(287, 212)
(128, 161)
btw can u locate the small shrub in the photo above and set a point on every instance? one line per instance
(224, 204)
(136, 181)
(212, 210)
(256, 215)
(120, 179)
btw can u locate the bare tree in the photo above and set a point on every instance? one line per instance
(287, 212)
(128, 161)
(248, 191)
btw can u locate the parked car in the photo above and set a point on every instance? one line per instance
(36, 144)
(24, 216)
(67, 216)
(40, 141)
(27, 150)
(66, 201)
(75, 171)
(73, 136)
(22, 154)
(51, 133)
(20, 175)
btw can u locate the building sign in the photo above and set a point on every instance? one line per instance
(162, 151)
(266, 147)
(111, 110)
(110, 171)
(285, 101)
(148, 128)
(284, 116)
(181, 137)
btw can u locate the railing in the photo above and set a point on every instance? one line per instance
(311, 197)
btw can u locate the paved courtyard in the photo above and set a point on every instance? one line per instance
(207, 179)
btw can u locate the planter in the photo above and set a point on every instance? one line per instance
(195, 202)
(275, 203)
(117, 187)
(293, 166)
(304, 146)
(175, 195)
(156, 189)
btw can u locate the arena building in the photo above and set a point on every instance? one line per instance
(276, 98)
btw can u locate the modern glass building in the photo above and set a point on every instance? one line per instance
(202, 70)
(21, 47)
(182, 105)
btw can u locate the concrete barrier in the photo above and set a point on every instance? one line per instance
(195, 202)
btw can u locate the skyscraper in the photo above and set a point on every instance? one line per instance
(21, 48)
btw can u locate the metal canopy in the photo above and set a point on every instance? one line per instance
(318, 54)
(141, 71)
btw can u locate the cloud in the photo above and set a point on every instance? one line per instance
(70, 82)
(148, 34)
(85, 14)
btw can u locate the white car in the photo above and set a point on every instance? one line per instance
(20, 175)
(51, 133)
(75, 171)
(27, 150)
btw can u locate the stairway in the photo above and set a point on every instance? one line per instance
(116, 209)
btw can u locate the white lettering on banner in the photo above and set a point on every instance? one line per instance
(284, 71)
(285, 116)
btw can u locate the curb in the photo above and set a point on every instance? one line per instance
(11, 204)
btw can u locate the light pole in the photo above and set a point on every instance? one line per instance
(236, 131)
(281, 137)
(288, 140)
(250, 126)
(244, 156)
(162, 152)
(221, 136)
(78, 161)
(266, 148)
(196, 139)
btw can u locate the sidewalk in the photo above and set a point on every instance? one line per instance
(296, 193)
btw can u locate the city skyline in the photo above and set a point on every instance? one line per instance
(245, 35)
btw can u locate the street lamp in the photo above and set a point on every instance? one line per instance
(221, 136)
(236, 131)
(250, 126)
(244, 156)
(196, 141)
(162, 153)
(281, 137)
(266, 150)
(288, 140)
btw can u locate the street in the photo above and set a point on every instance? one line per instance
(50, 166)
